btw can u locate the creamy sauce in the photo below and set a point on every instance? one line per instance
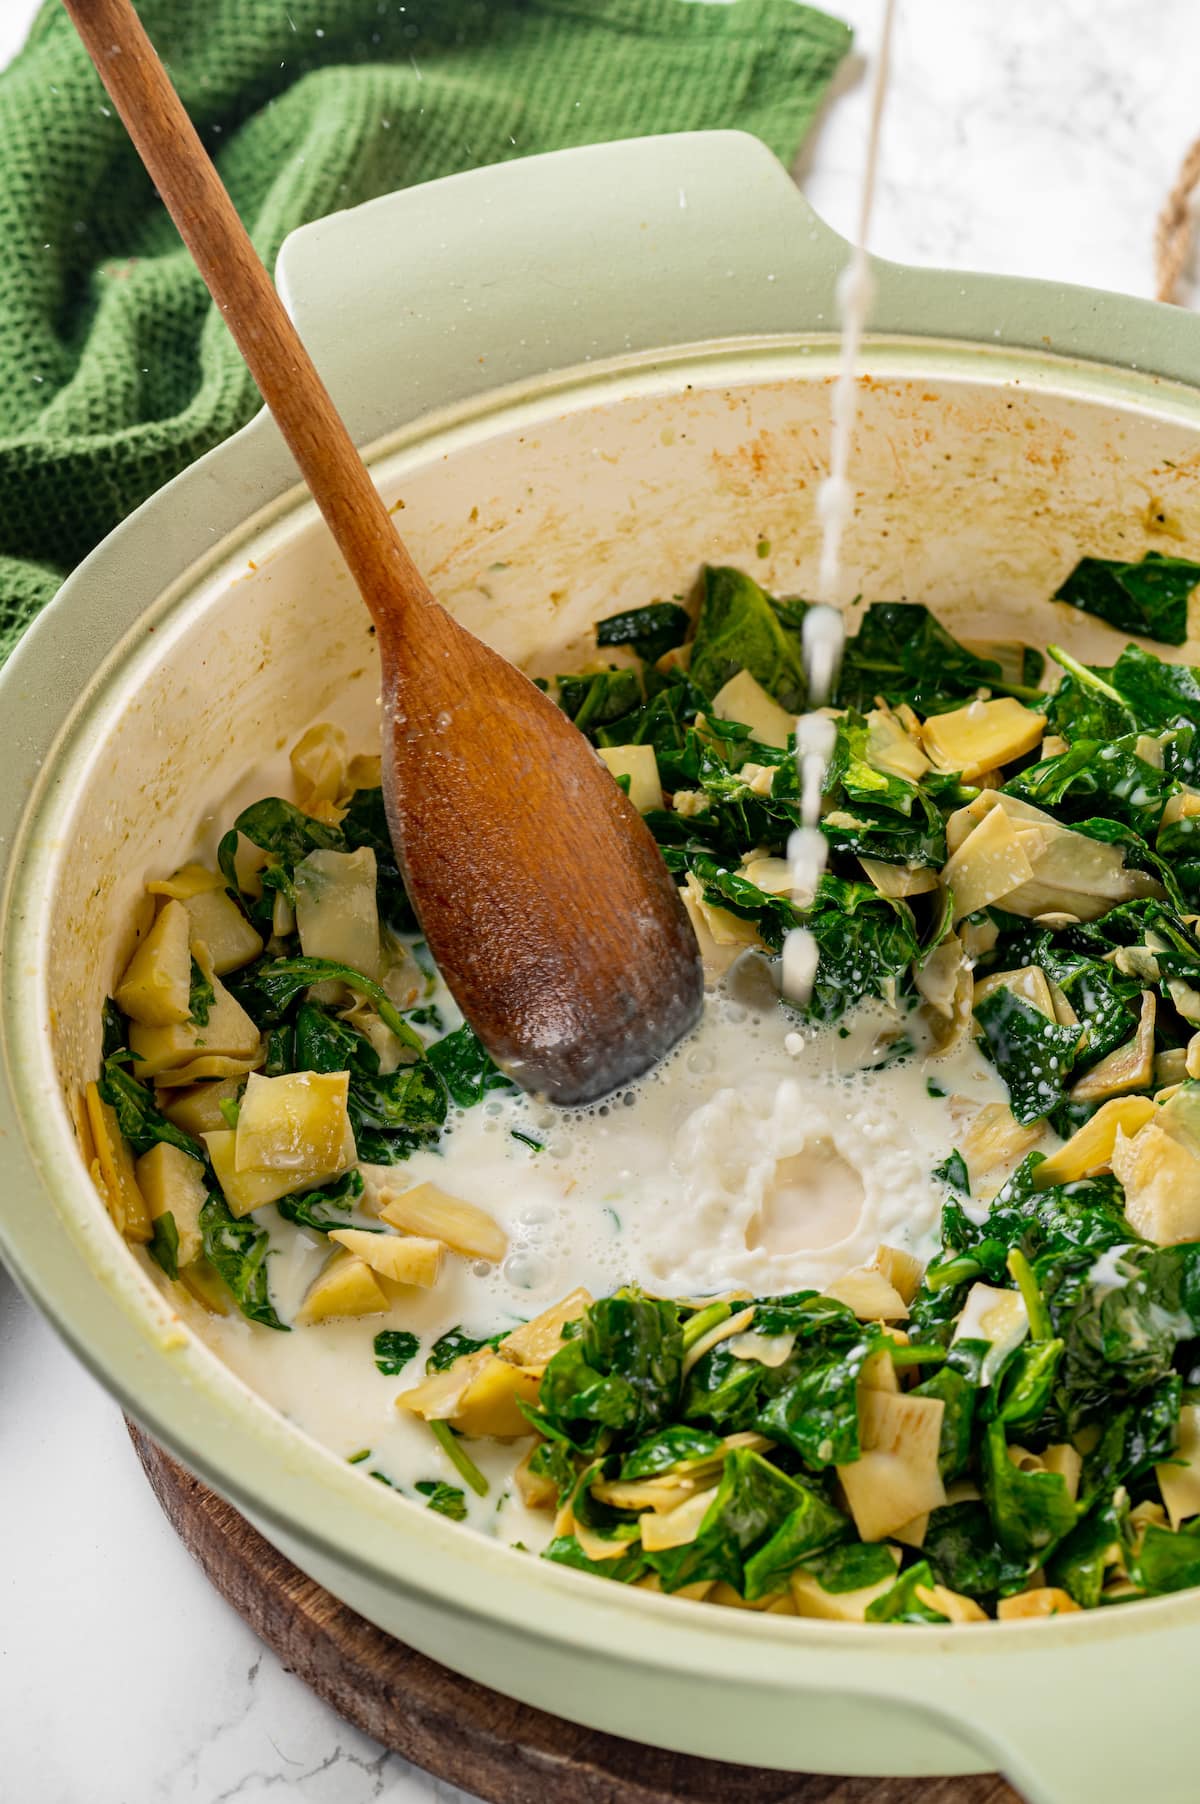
(756, 1157)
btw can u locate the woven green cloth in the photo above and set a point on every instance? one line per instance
(115, 371)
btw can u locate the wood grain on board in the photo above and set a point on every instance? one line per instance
(503, 1751)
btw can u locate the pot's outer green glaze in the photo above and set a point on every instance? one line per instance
(517, 279)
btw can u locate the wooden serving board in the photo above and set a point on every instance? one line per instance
(503, 1751)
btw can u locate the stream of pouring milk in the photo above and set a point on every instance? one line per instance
(824, 625)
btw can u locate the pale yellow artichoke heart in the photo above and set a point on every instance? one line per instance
(1128, 1067)
(896, 1478)
(744, 699)
(228, 1033)
(245, 1191)
(1160, 1175)
(337, 914)
(155, 987)
(463, 1227)
(989, 863)
(113, 1166)
(344, 1286)
(297, 1122)
(811, 1599)
(401, 1258)
(172, 1183)
(1089, 1151)
(638, 763)
(319, 761)
(891, 750)
(982, 736)
(1179, 1477)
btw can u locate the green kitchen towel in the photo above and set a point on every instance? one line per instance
(115, 370)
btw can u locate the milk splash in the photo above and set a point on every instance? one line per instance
(824, 627)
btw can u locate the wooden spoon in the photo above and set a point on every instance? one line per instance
(538, 887)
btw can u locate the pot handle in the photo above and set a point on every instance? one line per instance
(1088, 1707)
(436, 293)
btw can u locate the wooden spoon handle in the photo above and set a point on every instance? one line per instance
(287, 379)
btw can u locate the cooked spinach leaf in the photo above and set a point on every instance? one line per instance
(201, 996)
(739, 628)
(465, 1067)
(325, 1207)
(138, 1116)
(239, 1250)
(1149, 598)
(394, 1349)
(447, 1500)
(164, 1244)
(649, 631)
(1033, 1055)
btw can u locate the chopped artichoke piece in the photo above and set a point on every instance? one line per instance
(996, 1141)
(1067, 1462)
(401, 1258)
(675, 1528)
(155, 987)
(1179, 1477)
(982, 735)
(344, 1286)
(771, 875)
(721, 937)
(1160, 1175)
(173, 1184)
(319, 765)
(197, 1108)
(534, 1344)
(868, 1293)
(1008, 653)
(365, 771)
(215, 917)
(298, 1122)
(114, 1167)
(638, 763)
(989, 863)
(758, 778)
(660, 1494)
(1045, 1600)
(1089, 1151)
(337, 914)
(996, 1316)
(478, 1396)
(897, 1476)
(811, 1599)
(897, 880)
(213, 1071)
(769, 1350)
(733, 1325)
(744, 699)
(228, 1033)
(535, 1489)
(202, 1281)
(1071, 873)
(951, 1604)
(892, 750)
(1129, 1067)
(464, 1228)
(902, 1270)
(246, 1191)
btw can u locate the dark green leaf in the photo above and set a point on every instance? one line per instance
(201, 996)
(138, 1116)
(239, 1250)
(740, 629)
(447, 1500)
(365, 824)
(325, 1207)
(394, 1349)
(650, 631)
(1033, 1055)
(667, 1449)
(465, 1067)
(1149, 598)
(164, 1244)
(454, 1344)
(903, 1602)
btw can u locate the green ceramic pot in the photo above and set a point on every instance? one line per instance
(582, 375)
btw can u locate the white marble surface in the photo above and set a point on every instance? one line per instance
(1036, 139)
